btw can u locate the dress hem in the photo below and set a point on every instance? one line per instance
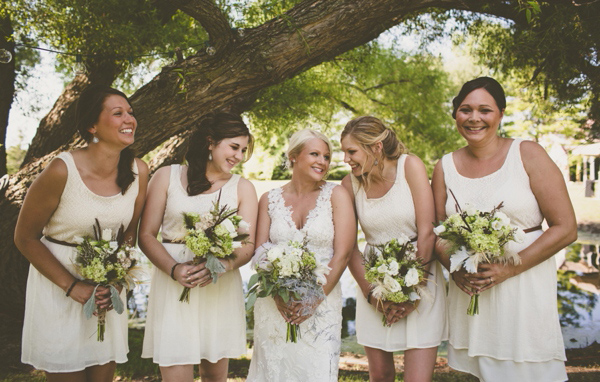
(508, 359)
(213, 360)
(404, 348)
(98, 363)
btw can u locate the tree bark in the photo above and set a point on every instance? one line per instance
(7, 91)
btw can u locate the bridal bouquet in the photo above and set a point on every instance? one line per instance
(292, 272)
(106, 263)
(395, 272)
(476, 237)
(213, 236)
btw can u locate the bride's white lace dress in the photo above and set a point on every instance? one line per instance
(315, 356)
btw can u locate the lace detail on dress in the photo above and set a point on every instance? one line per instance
(316, 355)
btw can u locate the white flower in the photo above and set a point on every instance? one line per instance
(264, 264)
(230, 227)
(320, 272)
(244, 226)
(394, 267)
(383, 269)
(519, 235)
(470, 209)
(402, 238)
(236, 244)
(113, 245)
(412, 277)
(457, 259)
(106, 234)
(274, 253)
(295, 252)
(78, 239)
(391, 284)
(497, 225)
(503, 218)
(439, 229)
(414, 296)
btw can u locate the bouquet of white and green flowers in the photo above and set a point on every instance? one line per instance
(292, 272)
(395, 272)
(105, 261)
(213, 236)
(478, 237)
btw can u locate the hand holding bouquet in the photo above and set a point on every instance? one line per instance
(395, 272)
(105, 263)
(478, 236)
(292, 272)
(213, 236)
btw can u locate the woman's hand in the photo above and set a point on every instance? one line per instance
(190, 275)
(489, 275)
(103, 300)
(295, 312)
(397, 311)
(82, 292)
(463, 280)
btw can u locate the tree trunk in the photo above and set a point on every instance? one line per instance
(7, 90)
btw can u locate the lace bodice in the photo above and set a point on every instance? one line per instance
(79, 207)
(318, 228)
(178, 202)
(316, 355)
(487, 192)
(395, 206)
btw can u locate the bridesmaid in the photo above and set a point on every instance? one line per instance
(392, 197)
(101, 181)
(516, 335)
(211, 328)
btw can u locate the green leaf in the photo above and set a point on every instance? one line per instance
(116, 300)
(251, 300)
(528, 15)
(253, 280)
(90, 305)
(284, 295)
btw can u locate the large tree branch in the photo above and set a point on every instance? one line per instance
(210, 16)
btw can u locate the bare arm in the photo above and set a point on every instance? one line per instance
(248, 210)
(41, 201)
(131, 231)
(439, 196)
(553, 199)
(151, 221)
(263, 223)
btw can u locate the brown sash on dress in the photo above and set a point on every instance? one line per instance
(536, 228)
(60, 242)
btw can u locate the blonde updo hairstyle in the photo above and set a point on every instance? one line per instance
(367, 131)
(298, 141)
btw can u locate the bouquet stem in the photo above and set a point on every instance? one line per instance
(185, 295)
(101, 324)
(473, 305)
(293, 333)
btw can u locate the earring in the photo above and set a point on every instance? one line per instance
(95, 139)
(376, 162)
(210, 156)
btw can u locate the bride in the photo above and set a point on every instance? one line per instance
(305, 208)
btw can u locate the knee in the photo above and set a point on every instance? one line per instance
(384, 373)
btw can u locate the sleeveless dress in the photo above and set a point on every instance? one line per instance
(57, 337)
(516, 335)
(212, 325)
(426, 326)
(315, 356)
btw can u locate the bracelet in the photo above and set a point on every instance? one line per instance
(369, 296)
(71, 287)
(173, 271)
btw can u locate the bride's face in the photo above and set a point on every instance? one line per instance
(313, 161)
(355, 156)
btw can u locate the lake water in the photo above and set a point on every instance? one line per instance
(578, 298)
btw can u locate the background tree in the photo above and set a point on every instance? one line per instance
(238, 64)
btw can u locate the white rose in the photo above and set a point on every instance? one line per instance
(295, 252)
(497, 225)
(78, 239)
(470, 209)
(394, 267)
(106, 234)
(439, 229)
(274, 253)
(383, 269)
(236, 244)
(503, 218)
(391, 284)
(412, 277)
(113, 245)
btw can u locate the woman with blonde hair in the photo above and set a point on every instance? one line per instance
(393, 199)
(320, 213)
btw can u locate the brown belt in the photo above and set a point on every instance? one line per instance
(536, 228)
(55, 241)
(172, 241)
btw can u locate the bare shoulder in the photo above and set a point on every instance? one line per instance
(246, 185)
(340, 193)
(162, 174)
(532, 151)
(414, 165)
(142, 167)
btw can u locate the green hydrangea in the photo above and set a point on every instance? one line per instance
(197, 242)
